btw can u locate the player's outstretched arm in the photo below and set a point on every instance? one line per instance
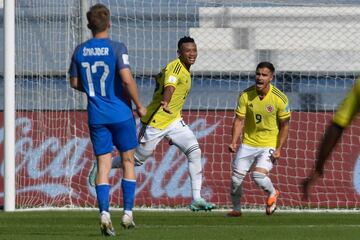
(131, 86)
(328, 142)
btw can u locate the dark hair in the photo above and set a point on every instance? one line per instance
(267, 65)
(185, 39)
(98, 18)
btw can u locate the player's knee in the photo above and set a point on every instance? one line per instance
(237, 179)
(194, 157)
(141, 154)
(238, 176)
(258, 177)
(193, 153)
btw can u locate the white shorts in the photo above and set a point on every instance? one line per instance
(178, 133)
(247, 156)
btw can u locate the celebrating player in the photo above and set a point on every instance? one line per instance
(342, 118)
(264, 112)
(164, 120)
(100, 68)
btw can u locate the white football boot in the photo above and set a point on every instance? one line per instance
(127, 221)
(106, 226)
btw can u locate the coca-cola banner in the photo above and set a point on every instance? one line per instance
(54, 156)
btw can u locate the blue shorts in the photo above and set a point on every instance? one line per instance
(122, 135)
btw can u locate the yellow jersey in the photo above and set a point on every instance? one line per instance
(261, 127)
(349, 106)
(174, 74)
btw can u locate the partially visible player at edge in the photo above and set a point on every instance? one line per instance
(100, 68)
(264, 112)
(347, 111)
(164, 120)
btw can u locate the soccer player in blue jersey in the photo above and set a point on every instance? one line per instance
(100, 68)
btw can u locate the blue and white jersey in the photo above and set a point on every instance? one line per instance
(96, 63)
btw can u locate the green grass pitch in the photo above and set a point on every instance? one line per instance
(178, 225)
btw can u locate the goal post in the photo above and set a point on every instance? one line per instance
(313, 45)
(9, 106)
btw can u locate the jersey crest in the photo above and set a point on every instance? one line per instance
(270, 108)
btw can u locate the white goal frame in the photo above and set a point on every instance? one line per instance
(9, 105)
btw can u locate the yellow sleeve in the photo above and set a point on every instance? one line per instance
(284, 109)
(349, 106)
(241, 107)
(172, 73)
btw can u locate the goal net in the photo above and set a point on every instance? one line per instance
(313, 45)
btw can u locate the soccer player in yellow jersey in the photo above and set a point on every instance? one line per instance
(163, 120)
(173, 84)
(262, 116)
(347, 111)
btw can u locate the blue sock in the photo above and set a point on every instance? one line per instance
(128, 188)
(103, 196)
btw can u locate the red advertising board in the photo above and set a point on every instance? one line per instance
(54, 157)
